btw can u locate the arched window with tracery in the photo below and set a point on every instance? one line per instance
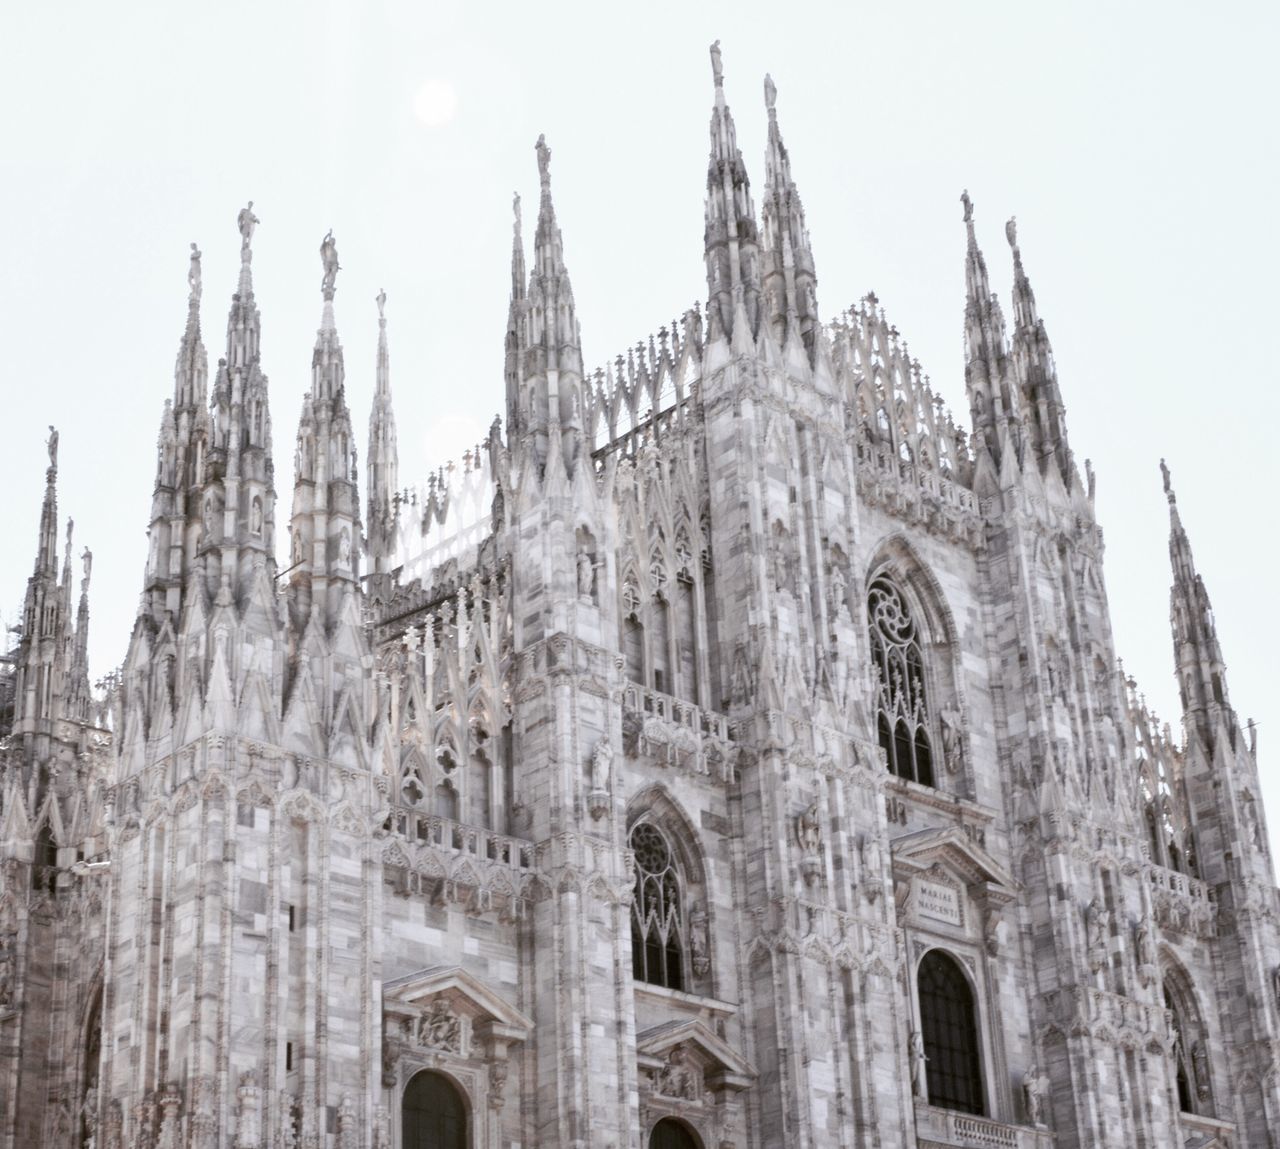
(657, 919)
(902, 710)
(949, 1029)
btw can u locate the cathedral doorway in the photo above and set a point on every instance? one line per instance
(433, 1115)
(672, 1134)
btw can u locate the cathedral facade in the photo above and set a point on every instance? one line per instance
(731, 751)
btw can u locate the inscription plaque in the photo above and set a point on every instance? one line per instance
(939, 902)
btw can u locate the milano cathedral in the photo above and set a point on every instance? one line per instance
(729, 752)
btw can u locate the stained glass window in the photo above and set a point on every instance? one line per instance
(657, 933)
(902, 721)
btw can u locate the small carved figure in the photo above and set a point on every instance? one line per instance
(717, 65)
(329, 258)
(255, 516)
(1035, 1087)
(53, 446)
(193, 273)
(601, 764)
(809, 830)
(698, 940)
(348, 1132)
(344, 547)
(952, 743)
(839, 589)
(919, 1087)
(246, 221)
(1200, 1069)
(586, 574)
(248, 1102)
(770, 92)
(677, 1078)
(381, 300)
(6, 971)
(1097, 925)
(440, 1028)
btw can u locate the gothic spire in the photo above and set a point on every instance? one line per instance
(78, 679)
(788, 279)
(382, 457)
(47, 548)
(986, 368)
(551, 376)
(1034, 370)
(239, 498)
(516, 343)
(730, 237)
(325, 524)
(1201, 671)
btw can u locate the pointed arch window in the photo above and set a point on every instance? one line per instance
(902, 719)
(948, 1026)
(657, 926)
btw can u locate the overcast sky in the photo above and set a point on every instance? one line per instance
(1136, 144)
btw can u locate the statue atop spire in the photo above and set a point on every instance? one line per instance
(544, 163)
(1011, 233)
(53, 447)
(194, 276)
(329, 258)
(717, 65)
(246, 221)
(1168, 485)
(968, 206)
(770, 95)
(381, 300)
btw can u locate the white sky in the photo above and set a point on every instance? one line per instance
(1135, 143)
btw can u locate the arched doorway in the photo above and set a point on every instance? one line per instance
(432, 1115)
(948, 1021)
(672, 1134)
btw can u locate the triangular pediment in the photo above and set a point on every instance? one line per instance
(722, 1066)
(952, 849)
(465, 993)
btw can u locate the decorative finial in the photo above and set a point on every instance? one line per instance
(381, 300)
(1168, 486)
(329, 257)
(53, 447)
(515, 211)
(544, 162)
(717, 67)
(968, 206)
(1011, 232)
(246, 221)
(770, 93)
(193, 274)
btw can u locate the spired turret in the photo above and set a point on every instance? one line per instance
(324, 529)
(788, 279)
(382, 460)
(992, 403)
(730, 240)
(544, 344)
(1036, 376)
(238, 500)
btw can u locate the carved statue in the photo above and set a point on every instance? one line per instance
(246, 221)
(53, 446)
(952, 743)
(255, 516)
(348, 1131)
(1011, 232)
(87, 560)
(1200, 1069)
(770, 92)
(344, 547)
(601, 764)
(381, 300)
(6, 971)
(839, 588)
(809, 830)
(918, 1057)
(717, 65)
(1035, 1088)
(440, 1028)
(698, 940)
(329, 257)
(544, 161)
(248, 1103)
(1097, 925)
(193, 273)
(586, 574)
(968, 206)
(676, 1078)
(89, 1113)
